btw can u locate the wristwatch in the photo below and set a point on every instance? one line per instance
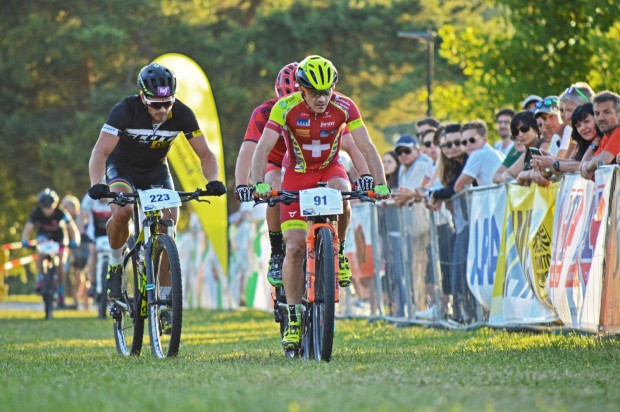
(556, 165)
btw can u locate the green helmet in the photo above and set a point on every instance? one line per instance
(316, 73)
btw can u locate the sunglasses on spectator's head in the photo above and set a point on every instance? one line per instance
(523, 129)
(157, 105)
(572, 89)
(402, 151)
(471, 140)
(427, 143)
(448, 145)
(548, 102)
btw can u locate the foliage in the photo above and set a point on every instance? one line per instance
(66, 63)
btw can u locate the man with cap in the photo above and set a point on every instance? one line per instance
(413, 165)
(530, 102)
(547, 115)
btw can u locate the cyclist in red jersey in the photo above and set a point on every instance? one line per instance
(284, 86)
(312, 122)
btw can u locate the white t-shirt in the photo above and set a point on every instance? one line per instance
(411, 177)
(482, 164)
(500, 148)
(560, 143)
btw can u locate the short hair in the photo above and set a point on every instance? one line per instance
(505, 112)
(478, 125)
(452, 128)
(607, 96)
(71, 201)
(429, 121)
(577, 93)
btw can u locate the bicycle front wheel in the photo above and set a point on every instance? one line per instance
(165, 309)
(322, 310)
(48, 290)
(127, 313)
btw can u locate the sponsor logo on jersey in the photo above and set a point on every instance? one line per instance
(328, 124)
(302, 133)
(292, 214)
(303, 122)
(109, 129)
(324, 133)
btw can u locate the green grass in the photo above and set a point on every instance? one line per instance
(232, 361)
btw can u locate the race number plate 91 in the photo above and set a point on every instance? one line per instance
(157, 199)
(320, 201)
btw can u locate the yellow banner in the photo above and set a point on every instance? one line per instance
(195, 91)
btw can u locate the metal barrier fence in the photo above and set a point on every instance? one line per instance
(420, 259)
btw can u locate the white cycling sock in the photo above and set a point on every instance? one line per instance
(116, 257)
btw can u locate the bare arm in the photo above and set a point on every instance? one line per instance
(72, 229)
(244, 163)
(462, 182)
(96, 166)
(349, 146)
(259, 161)
(499, 176)
(362, 139)
(28, 228)
(208, 161)
(513, 171)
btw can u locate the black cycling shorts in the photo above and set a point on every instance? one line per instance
(158, 176)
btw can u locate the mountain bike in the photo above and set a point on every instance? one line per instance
(50, 250)
(321, 207)
(102, 246)
(152, 282)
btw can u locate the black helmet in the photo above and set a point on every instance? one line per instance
(48, 198)
(156, 80)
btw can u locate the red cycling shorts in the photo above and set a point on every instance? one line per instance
(290, 216)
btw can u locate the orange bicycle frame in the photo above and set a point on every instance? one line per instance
(311, 262)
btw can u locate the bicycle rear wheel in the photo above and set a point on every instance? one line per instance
(103, 301)
(165, 309)
(322, 310)
(47, 291)
(126, 314)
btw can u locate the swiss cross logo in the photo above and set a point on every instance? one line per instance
(163, 91)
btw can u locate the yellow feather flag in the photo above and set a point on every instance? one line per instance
(194, 90)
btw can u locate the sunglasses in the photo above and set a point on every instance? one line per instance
(318, 93)
(157, 105)
(401, 152)
(553, 101)
(572, 89)
(428, 143)
(523, 129)
(471, 140)
(448, 145)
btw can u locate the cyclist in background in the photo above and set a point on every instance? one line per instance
(131, 153)
(76, 262)
(92, 222)
(312, 122)
(284, 86)
(51, 222)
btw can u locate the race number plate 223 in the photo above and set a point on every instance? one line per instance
(157, 199)
(320, 201)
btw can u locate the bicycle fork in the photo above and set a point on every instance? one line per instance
(311, 261)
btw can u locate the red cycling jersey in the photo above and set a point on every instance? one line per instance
(312, 140)
(257, 123)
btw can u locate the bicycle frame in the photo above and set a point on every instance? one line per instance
(314, 224)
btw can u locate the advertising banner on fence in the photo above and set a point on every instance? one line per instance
(610, 305)
(488, 207)
(514, 300)
(576, 273)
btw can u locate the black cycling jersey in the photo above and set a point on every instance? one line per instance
(49, 227)
(142, 145)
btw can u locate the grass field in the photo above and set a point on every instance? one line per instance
(232, 361)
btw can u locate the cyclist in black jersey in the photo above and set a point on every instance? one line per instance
(132, 149)
(51, 222)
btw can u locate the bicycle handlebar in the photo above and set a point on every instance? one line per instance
(123, 199)
(289, 196)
